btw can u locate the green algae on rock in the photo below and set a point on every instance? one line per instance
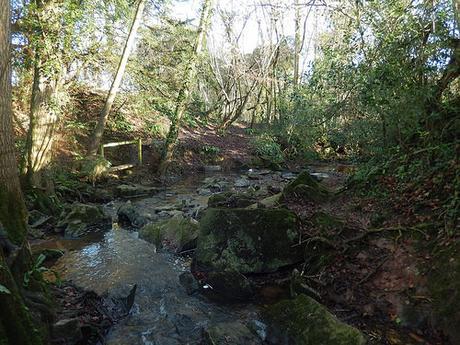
(306, 322)
(248, 241)
(306, 187)
(230, 333)
(180, 233)
(79, 217)
(231, 200)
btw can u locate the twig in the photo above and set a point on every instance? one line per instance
(316, 239)
(374, 271)
(377, 230)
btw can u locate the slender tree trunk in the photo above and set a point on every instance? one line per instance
(296, 45)
(15, 323)
(100, 126)
(183, 95)
(456, 7)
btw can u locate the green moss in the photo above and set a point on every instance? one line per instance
(306, 322)
(248, 241)
(178, 231)
(13, 216)
(307, 188)
(268, 202)
(231, 199)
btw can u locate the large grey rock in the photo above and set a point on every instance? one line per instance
(307, 188)
(247, 241)
(134, 190)
(79, 219)
(177, 233)
(231, 200)
(303, 321)
(230, 333)
(129, 215)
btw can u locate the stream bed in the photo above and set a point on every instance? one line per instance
(163, 312)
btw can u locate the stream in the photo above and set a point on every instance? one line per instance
(163, 312)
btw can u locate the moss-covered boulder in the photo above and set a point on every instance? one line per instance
(78, 219)
(272, 201)
(134, 190)
(247, 241)
(306, 322)
(231, 200)
(444, 286)
(306, 187)
(231, 333)
(129, 215)
(178, 233)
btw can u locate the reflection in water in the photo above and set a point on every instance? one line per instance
(163, 312)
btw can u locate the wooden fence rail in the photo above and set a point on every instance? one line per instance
(137, 142)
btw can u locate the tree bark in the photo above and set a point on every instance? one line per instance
(43, 120)
(12, 209)
(183, 95)
(16, 326)
(296, 45)
(100, 126)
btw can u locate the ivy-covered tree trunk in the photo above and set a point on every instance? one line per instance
(99, 130)
(45, 101)
(16, 326)
(43, 120)
(183, 96)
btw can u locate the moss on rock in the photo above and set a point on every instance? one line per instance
(231, 200)
(78, 217)
(306, 187)
(248, 241)
(179, 232)
(306, 322)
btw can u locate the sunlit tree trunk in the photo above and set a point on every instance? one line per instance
(43, 120)
(296, 44)
(183, 95)
(100, 126)
(15, 323)
(456, 6)
(44, 104)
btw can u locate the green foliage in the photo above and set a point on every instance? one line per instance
(37, 270)
(266, 147)
(94, 168)
(119, 123)
(421, 182)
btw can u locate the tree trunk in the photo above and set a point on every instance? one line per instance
(15, 323)
(183, 95)
(100, 126)
(43, 120)
(44, 104)
(296, 45)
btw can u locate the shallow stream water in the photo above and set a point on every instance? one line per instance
(163, 312)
